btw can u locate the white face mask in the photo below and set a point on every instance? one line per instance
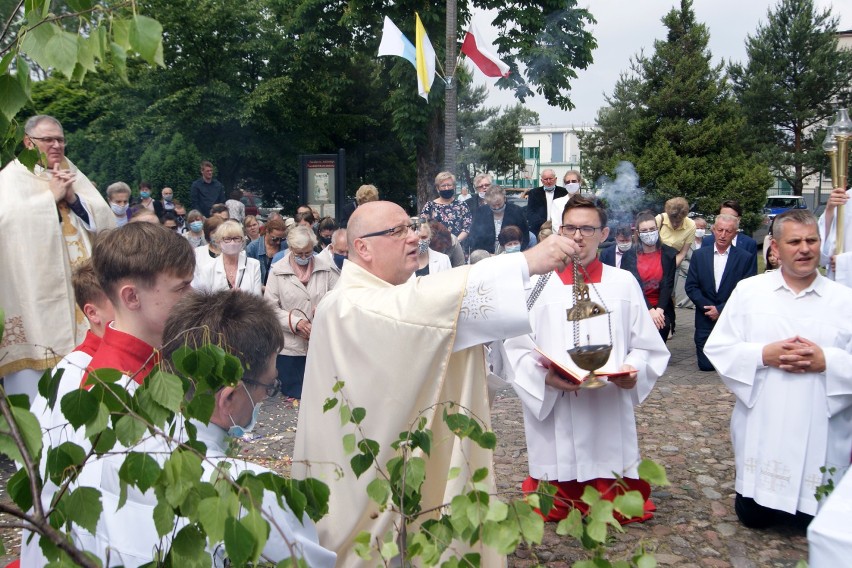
(699, 233)
(649, 239)
(118, 209)
(572, 188)
(301, 261)
(231, 249)
(624, 247)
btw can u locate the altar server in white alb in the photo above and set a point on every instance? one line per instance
(839, 265)
(580, 437)
(783, 346)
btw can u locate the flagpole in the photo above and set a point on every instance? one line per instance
(451, 92)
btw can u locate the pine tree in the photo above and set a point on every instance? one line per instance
(793, 77)
(676, 119)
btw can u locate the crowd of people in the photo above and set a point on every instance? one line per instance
(399, 309)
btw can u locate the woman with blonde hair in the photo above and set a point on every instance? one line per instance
(296, 284)
(454, 214)
(232, 269)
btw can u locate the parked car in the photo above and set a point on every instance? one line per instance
(252, 202)
(777, 204)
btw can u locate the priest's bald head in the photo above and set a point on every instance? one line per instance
(382, 241)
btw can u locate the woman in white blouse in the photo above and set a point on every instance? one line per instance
(232, 269)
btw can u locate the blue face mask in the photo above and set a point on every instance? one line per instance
(513, 248)
(196, 226)
(236, 431)
(338, 259)
(144, 194)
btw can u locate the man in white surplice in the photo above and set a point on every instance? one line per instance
(839, 265)
(783, 346)
(578, 437)
(402, 347)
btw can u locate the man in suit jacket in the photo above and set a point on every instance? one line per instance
(741, 240)
(540, 199)
(713, 274)
(613, 254)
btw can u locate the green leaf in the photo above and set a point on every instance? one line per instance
(345, 414)
(329, 404)
(360, 463)
(151, 409)
(530, 523)
(99, 423)
(140, 470)
(180, 472)
(379, 491)
(29, 428)
(349, 443)
(571, 525)
(648, 561)
(232, 369)
(240, 543)
(213, 511)
(497, 510)
(121, 34)
(453, 473)
(415, 472)
(83, 506)
(61, 51)
(189, 544)
(503, 537)
(80, 5)
(12, 96)
(105, 441)
(590, 495)
(596, 530)
(358, 414)
(317, 494)
(103, 376)
(480, 473)
(201, 407)
(166, 390)
(79, 406)
(35, 43)
(487, 440)
(164, 517)
(653, 473)
(63, 461)
(389, 549)
(48, 385)
(18, 488)
(362, 545)
(128, 430)
(630, 504)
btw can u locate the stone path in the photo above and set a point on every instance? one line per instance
(683, 426)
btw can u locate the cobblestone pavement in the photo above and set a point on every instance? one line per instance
(683, 425)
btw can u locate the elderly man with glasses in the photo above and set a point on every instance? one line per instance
(540, 200)
(49, 216)
(403, 347)
(589, 437)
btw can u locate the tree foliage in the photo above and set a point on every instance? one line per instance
(788, 86)
(72, 39)
(675, 118)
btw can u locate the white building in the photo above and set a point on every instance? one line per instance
(556, 147)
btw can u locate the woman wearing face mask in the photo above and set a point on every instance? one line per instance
(148, 202)
(429, 261)
(118, 196)
(325, 228)
(195, 228)
(509, 240)
(490, 219)
(681, 299)
(653, 265)
(296, 284)
(446, 209)
(231, 270)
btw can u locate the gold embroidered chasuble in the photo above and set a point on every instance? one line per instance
(37, 255)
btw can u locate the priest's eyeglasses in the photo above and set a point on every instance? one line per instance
(570, 230)
(49, 140)
(271, 390)
(398, 232)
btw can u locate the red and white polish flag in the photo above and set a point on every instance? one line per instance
(482, 54)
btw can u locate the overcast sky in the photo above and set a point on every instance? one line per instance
(624, 27)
